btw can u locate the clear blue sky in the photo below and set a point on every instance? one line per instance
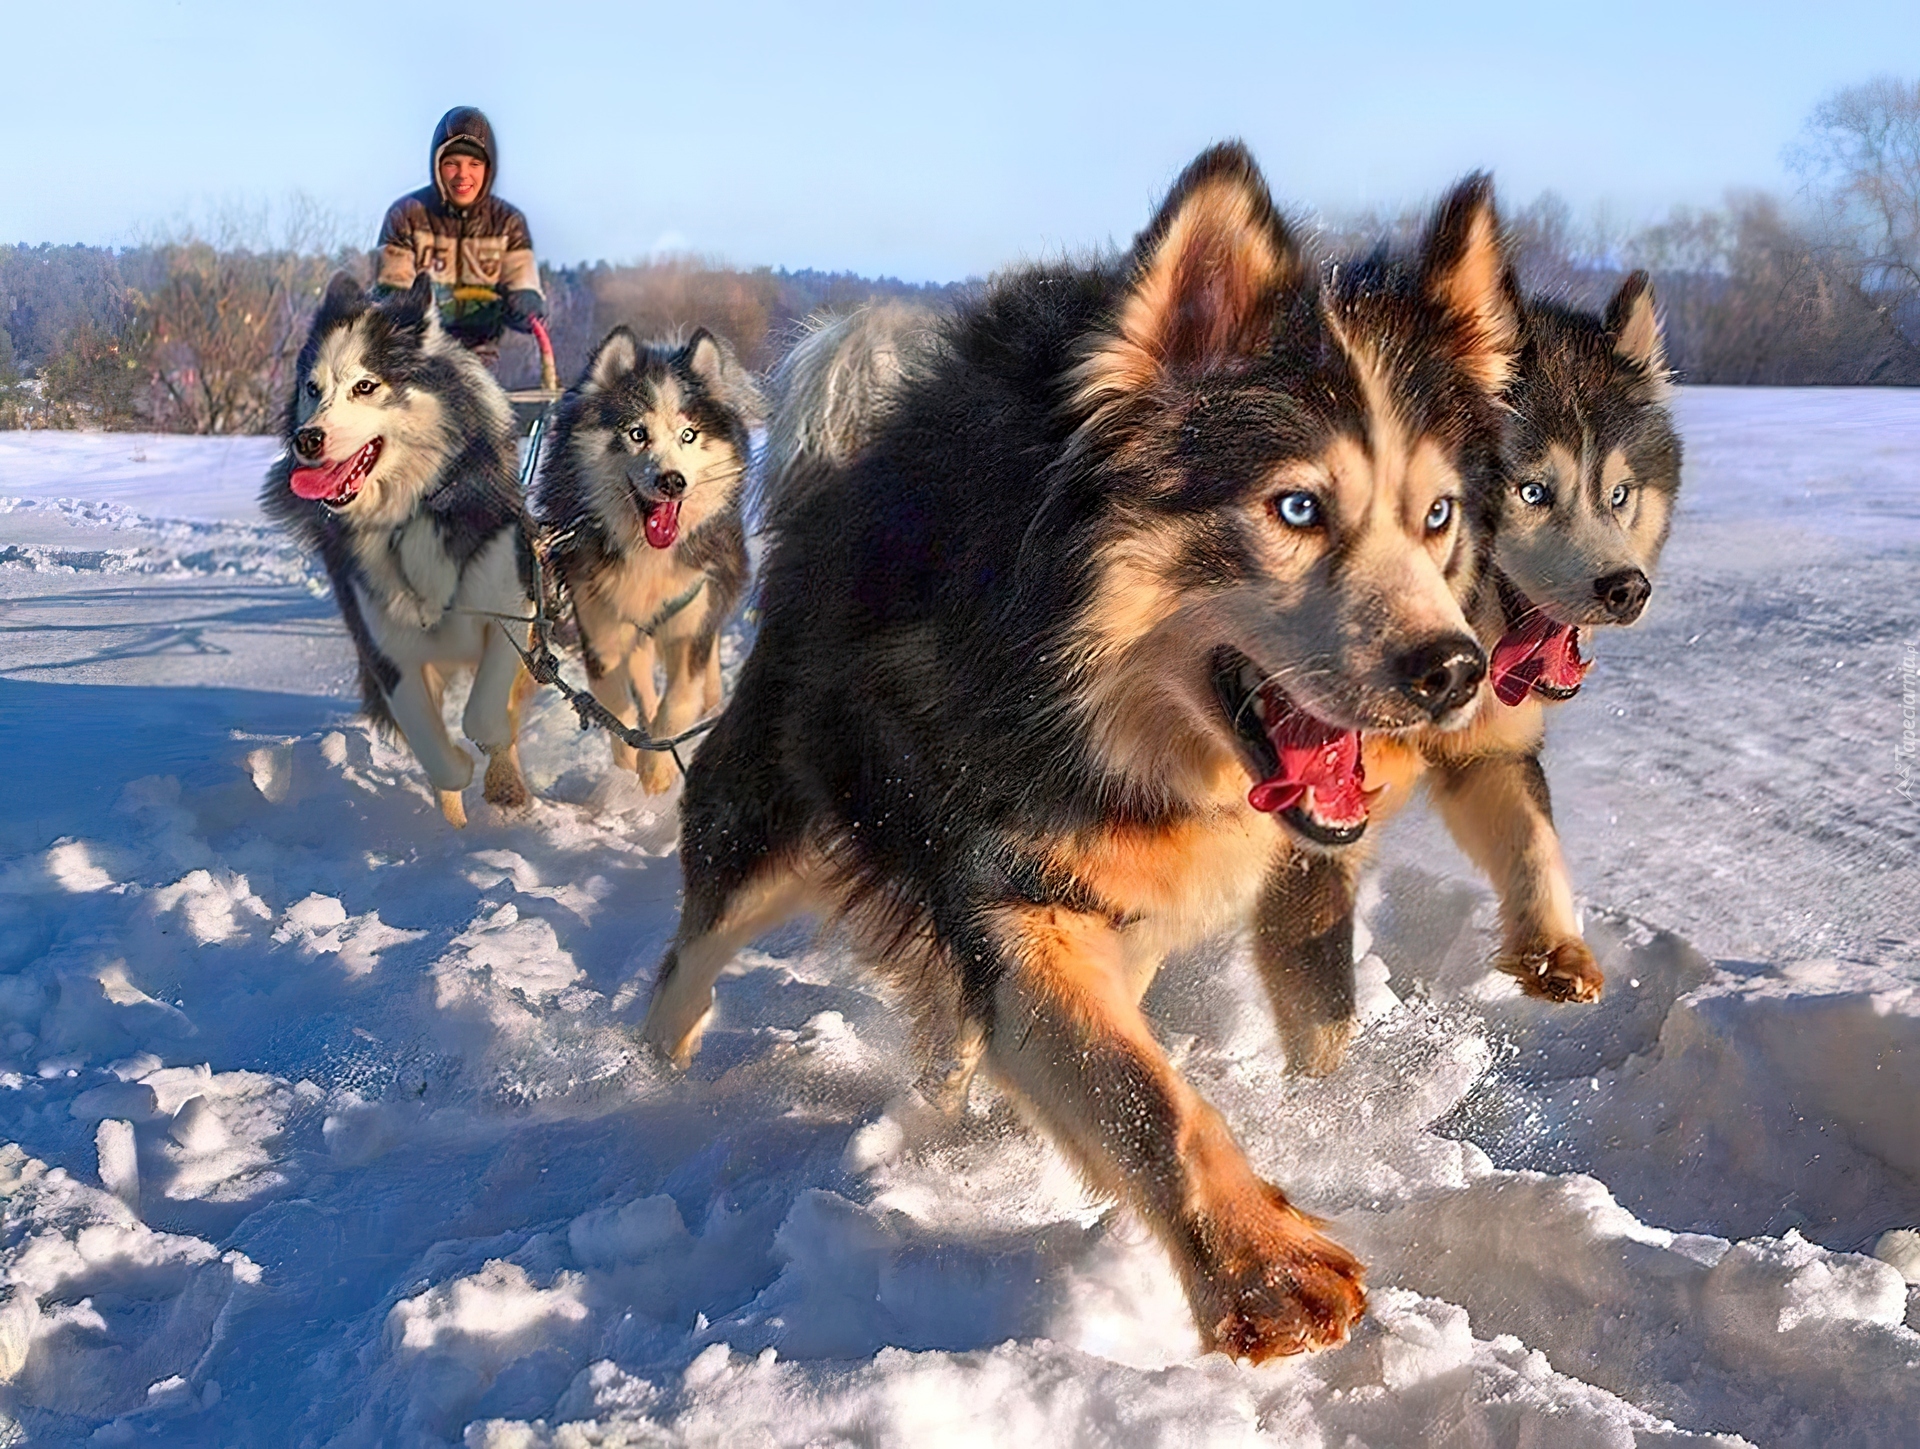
(928, 141)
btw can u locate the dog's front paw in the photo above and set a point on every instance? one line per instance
(1276, 1286)
(1556, 971)
(656, 770)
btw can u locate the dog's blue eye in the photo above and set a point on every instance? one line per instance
(313, 388)
(1298, 510)
(1535, 495)
(639, 435)
(1620, 495)
(1440, 515)
(687, 435)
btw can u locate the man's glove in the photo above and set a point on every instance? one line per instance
(522, 307)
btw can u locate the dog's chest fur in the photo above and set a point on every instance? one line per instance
(1174, 884)
(644, 584)
(417, 596)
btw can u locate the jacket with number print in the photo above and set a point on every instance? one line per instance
(477, 256)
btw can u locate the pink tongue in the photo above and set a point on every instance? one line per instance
(1318, 757)
(320, 482)
(663, 523)
(1543, 650)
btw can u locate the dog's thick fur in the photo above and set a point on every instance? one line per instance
(1592, 468)
(835, 390)
(647, 423)
(983, 725)
(432, 542)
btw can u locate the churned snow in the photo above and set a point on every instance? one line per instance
(321, 1124)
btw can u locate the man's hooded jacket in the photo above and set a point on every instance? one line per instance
(479, 256)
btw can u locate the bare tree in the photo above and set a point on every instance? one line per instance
(1860, 156)
(222, 322)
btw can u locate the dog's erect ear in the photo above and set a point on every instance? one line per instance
(1634, 324)
(613, 359)
(710, 360)
(1206, 277)
(343, 297)
(413, 310)
(1463, 267)
(707, 357)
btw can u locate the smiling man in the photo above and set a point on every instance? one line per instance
(474, 246)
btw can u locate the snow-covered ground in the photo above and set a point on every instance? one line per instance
(321, 1124)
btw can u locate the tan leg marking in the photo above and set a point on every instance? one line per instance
(679, 707)
(1069, 1040)
(682, 1001)
(1496, 808)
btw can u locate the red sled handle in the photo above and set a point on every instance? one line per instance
(549, 374)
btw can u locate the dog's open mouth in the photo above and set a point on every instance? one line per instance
(1539, 656)
(336, 484)
(1306, 771)
(662, 522)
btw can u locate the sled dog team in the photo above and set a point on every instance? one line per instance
(1099, 617)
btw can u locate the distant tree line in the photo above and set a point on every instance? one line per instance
(191, 335)
(198, 332)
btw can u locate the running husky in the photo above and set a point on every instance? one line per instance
(640, 501)
(1052, 673)
(1593, 469)
(399, 473)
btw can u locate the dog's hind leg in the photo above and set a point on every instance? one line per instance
(1067, 1038)
(710, 683)
(745, 871)
(1303, 948)
(415, 705)
(711, 933)
(1498, 809)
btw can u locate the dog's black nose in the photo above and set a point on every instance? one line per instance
(310, 442)
(671, 483)
(1442, 674)
(1625, 594)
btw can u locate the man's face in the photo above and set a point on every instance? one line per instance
(461, 177)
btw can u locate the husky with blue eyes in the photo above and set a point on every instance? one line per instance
(1592, 469)
(1064, 656)
(640, 504)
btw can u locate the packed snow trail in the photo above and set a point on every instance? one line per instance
(322, 1124)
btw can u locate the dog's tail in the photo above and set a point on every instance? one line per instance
(833, 392)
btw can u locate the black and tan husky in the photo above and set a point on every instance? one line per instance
(1049, 677)
(1592, 467)
(640, 503)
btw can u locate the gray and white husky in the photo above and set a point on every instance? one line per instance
(399, 472)
(640, 503)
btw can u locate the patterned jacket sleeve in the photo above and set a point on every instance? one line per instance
(394, 262)
(519, 272)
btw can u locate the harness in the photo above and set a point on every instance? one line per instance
(544, 665)
(672, 607)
